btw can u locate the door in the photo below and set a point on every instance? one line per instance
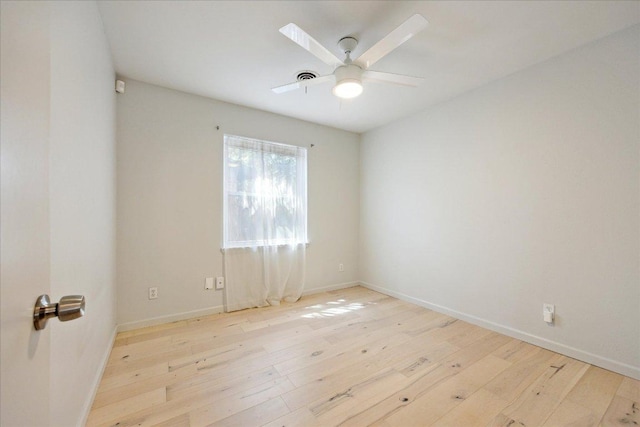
(24, 211)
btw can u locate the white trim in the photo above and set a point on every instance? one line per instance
(98, 377)
(330, 288)
(585, 356)
(242, 306)
(212, 310)
(153, 321)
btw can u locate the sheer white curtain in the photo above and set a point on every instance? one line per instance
(265, 222)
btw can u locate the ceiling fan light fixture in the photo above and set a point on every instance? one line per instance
(347, 88)
(348, 81)
(349, 74)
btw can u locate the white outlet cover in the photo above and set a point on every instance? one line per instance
(548, 313)
(219, 282)
(208, 283)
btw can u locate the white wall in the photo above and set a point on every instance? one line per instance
(58, 207)
(169, 215)
(522, 192)
(82, 203)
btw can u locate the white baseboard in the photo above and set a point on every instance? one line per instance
(585, 356)
(169, 318)
(212, 310)
(330, 288)
(98, 377)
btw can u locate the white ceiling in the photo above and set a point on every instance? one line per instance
(232, 50)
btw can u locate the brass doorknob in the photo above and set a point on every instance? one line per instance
(70, 307)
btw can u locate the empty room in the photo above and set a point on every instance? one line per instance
(320, 213)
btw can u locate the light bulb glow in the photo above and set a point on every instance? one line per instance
(347, 88)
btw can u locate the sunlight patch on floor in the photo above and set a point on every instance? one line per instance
(331, 309)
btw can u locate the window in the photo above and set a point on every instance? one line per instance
(265, 193)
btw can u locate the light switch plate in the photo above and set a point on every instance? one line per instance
(208, 283)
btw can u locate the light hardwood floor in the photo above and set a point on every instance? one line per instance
(351, 357)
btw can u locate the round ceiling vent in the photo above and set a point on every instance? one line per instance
(306, 75)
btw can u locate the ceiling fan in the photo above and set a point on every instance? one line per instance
(349, 74)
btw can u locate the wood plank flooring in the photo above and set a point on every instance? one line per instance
(352, 357)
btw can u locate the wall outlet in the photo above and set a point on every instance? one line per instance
(548, 313)
(153, 293)
(340, 267)
(220, 282)
(208, 283)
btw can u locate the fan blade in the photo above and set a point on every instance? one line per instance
(398, 79)
(395, 38)
(297, 85)
(299, 36)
